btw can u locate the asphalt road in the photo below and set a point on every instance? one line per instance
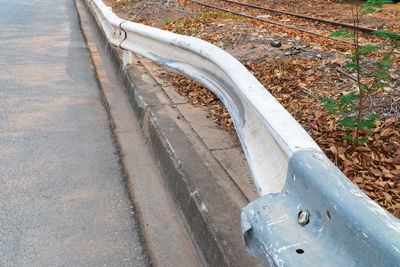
(63, 200)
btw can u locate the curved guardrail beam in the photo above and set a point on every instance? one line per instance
(268, 133)
(308, 212)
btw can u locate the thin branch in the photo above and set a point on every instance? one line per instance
(347, 74)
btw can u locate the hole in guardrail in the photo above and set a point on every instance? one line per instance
(299, 251)
(328, 214)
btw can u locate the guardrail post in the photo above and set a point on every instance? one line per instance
(126, 57)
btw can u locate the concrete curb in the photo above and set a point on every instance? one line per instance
(206, 197)
(167, 241)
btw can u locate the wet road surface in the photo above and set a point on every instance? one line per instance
(63, 200)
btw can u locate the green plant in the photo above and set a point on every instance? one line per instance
(178, 29)
(187, 24)
(371, 74)
(166, 20)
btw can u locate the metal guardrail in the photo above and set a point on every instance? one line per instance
(309, 213)
(261, 122)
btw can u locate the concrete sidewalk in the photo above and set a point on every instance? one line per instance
(63, 200)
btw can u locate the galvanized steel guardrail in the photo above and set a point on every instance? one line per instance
(308, 213)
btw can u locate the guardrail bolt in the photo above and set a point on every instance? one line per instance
(304, 217)
(318, 157)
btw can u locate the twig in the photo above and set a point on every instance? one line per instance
(391, 106)
(308, 93)
(370, 101)
(345, 73)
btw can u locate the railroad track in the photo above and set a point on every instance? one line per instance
(332, 22)
(335, 24)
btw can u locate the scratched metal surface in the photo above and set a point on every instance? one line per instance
(345, 227)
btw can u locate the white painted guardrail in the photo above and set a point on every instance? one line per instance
(309, 212)
(262, 123)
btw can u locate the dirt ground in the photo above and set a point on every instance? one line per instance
(299, 73)
(336, 10)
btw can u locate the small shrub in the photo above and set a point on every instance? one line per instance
(371, 74)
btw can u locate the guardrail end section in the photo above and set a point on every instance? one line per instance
(319, 219)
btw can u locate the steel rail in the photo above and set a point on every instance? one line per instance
(345, 25)
(254, 111)
(308, 212)
(267, 21)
